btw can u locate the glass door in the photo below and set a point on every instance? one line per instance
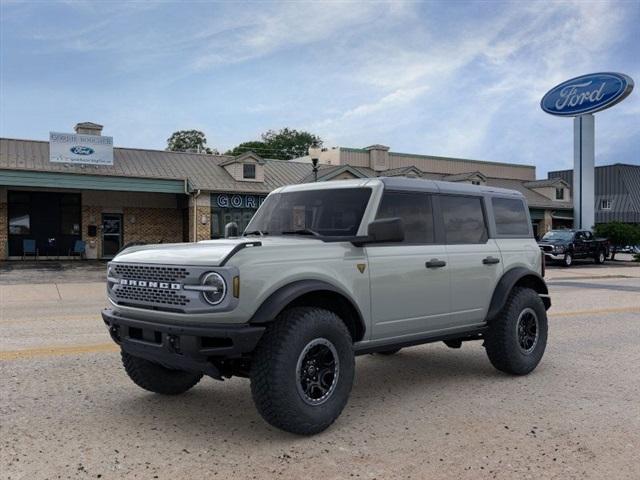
(111, 234)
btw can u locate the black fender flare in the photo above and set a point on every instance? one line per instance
(278, 300)
(517, 275)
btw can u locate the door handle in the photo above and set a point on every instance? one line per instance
(435, 263)
(490, 260)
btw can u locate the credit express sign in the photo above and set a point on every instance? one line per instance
(80, 149)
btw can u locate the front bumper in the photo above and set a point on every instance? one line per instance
(554, 256)
(190, 348)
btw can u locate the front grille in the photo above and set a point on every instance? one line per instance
(547, 248)
(151, 273)
(157, 296)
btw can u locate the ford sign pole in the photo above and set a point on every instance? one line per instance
(584, 162)
(580, 97)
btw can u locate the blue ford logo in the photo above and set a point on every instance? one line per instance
(79, 150)
(587, 94)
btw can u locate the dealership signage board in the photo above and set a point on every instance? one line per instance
(587, 94)
(80, 149)
(580, 97)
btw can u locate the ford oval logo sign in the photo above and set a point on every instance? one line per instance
(79, 150)
(587, 94)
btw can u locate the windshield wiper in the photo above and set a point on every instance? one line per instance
(301, 231)
(256, 232)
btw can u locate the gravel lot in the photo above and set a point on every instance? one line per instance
(67, 410)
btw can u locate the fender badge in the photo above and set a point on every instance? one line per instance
(362, 267)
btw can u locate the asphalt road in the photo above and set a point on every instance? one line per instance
(67, 409)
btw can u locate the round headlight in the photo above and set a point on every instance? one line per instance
(216, 289)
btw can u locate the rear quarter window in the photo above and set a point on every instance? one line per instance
(510, 216)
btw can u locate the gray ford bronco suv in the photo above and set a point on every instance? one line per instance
(325, 272)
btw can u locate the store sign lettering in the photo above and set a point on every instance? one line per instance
(239, 200)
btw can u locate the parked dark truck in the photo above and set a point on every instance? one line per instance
(566, 245)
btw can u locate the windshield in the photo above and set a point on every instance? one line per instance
(330, 212)
(558, 235)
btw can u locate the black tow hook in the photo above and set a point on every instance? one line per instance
(173, 343)
(114, 331)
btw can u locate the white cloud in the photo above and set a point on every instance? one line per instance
(287, 25)
(484, 79)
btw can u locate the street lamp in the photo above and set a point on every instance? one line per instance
(314, 153)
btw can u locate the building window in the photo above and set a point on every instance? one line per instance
(559, 193)
(475, 182)
(249, 170)
(605, 204)
(19, 213)
(52, 219)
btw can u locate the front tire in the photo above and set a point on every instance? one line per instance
(302, 370)
(517, 338)
(156, 378)
(567, 261)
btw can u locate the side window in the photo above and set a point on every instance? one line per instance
(511, 217)
(588, 236)
(414, 208)
(463, 219)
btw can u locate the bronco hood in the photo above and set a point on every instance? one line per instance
(208, 252)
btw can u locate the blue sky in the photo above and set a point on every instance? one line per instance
(461, 79)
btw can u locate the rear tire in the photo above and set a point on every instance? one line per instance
(517, 337)
(302, 370)
(156, 378)
(600, 257)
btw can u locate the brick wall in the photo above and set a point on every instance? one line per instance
(91, 215)
(148, 225)
(203, 231)
(152, 225)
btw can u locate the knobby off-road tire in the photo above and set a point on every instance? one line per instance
(509, 342)
(156, 378)
(301, 341)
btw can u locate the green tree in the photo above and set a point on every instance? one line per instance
(256, 146)
(283, 144)
(188, 141)
(619, 234)
(289, 144)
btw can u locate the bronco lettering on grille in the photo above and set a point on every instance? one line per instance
(144, 283)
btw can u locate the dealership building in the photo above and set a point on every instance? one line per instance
(50, 199)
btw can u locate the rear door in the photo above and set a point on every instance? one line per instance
(409, 280)
(474, 259)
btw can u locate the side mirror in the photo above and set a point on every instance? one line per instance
(386, 230)
(231, 230)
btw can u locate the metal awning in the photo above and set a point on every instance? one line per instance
(30, 178)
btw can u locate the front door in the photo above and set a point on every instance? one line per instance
(410, 289)
(111, 234)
